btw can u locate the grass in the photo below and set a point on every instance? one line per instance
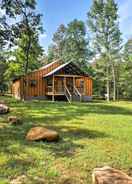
(92, 134)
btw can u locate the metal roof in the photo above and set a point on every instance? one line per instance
(69, 68)
(46, 66)
(56, 69)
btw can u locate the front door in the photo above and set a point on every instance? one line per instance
(69, 84)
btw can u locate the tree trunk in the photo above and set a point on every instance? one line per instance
(108, 85)
(114, 83)
(27, 55)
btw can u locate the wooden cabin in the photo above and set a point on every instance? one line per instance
(52, 81)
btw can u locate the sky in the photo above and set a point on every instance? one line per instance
(56, 12)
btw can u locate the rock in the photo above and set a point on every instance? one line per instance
(4, 109)
(40, 133)
(2, 102)
(19, 180)
(14, 120)
(108, 175)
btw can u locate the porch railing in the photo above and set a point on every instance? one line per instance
(76, 91)
(57, 90)
(68, 94)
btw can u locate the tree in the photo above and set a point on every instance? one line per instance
(33, 56)
(30, 27)
(5, 34)
(71, 44)
(59, 41)
(26, 32)
(126, 70)
(103, 23)
(52, 50)
(76, 44)
(23, 33)
(99, 76)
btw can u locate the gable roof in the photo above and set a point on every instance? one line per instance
(49, 64)
(69, 67)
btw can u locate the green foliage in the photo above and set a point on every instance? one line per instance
(24, 35)
(76, 44)
(71, 44)
(28, 42)
(34, 56)
(126, 71)
(103, 23)
(100, 77)
(59, 41)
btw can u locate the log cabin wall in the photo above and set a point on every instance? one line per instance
(28, 89)
(88, 86)
(86, 83)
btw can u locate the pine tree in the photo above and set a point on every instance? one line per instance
(103, 23)
(76, 44)
(59, 41)
(126, 70)
(71, 44)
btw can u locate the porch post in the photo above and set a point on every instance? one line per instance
(53, 89)
(64, 81)
(74, 84)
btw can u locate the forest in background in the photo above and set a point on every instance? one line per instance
(96, 46)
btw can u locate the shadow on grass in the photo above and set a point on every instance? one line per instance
(52, 115)
(66, 146)
(72, 110)
(14, 145)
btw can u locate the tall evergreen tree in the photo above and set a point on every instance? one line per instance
(126, 70)
(103, 23)
(55, 50)
(71, 44)
(76, 43)
(59, 41)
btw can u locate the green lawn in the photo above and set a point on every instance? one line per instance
(92, 134)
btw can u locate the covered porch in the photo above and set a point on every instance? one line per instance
(65, 85)
(66, 80)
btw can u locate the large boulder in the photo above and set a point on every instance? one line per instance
(19, 180)
(108, 175)
(41, 133)
(4, 109)
(2, 101)
(14, 120)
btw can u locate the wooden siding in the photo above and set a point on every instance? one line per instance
(22, 88)
(39, 88)
(88, 86)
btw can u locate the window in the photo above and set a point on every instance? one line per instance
(49, 82)
(33, 83)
